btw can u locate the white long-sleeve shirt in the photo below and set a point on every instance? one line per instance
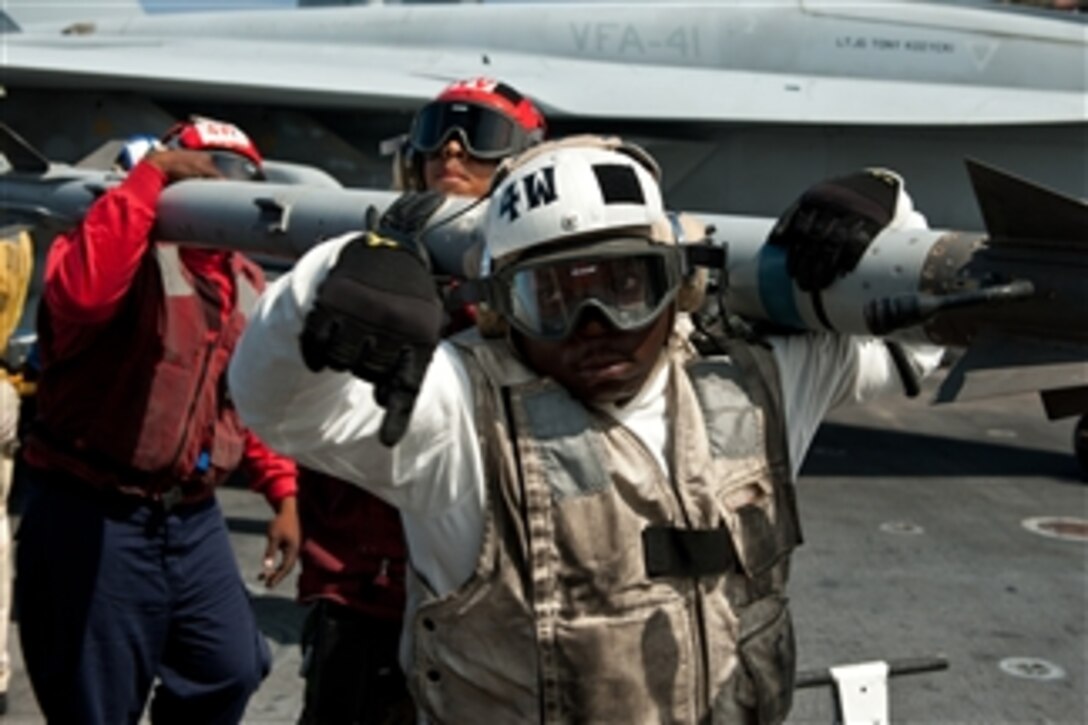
(329, 421)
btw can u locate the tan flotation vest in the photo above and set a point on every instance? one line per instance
(605, 590)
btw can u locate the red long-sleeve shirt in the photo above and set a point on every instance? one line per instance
(89, 271)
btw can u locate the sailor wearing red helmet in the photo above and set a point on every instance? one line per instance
(458, 139)
(353, 554)
(126, 574)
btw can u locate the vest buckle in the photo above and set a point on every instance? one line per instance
(171, 497)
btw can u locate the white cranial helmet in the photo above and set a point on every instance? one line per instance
(570, 190)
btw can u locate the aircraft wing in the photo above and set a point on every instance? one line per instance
(725, 96)
(742, 102)
(214, 69)
(778, 61)
(403, 78)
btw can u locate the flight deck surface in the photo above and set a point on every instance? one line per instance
(915, 546)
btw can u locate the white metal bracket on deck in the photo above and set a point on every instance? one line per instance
(861, 691)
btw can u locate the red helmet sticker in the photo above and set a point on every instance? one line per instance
(203, 134)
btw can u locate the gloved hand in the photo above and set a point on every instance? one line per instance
(827, 230)
(181, 164)
(377, 314)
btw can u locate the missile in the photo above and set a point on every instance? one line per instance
(1013, 296)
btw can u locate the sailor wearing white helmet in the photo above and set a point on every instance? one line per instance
(599, 518)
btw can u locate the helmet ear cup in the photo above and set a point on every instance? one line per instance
(490, 323)
(413, 170)
(687, 229)
(405, 163)
(692, 292)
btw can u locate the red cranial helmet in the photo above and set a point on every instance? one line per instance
(232, 150)
(490, 119)
(490, 93)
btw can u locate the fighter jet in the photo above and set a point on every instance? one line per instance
(743, 102)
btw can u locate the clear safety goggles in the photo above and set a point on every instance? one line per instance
(628, 282)
(484, 132)
(235, 166)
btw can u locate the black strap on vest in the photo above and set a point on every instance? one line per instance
(672, 552)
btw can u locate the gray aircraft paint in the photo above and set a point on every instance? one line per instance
(745, 103)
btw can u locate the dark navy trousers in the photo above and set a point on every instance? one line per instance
(115, 594)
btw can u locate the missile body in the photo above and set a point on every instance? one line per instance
(1014, 296)
(934, 266)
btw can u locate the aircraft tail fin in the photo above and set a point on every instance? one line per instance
(17, 16)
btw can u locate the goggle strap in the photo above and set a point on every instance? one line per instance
(705, 254)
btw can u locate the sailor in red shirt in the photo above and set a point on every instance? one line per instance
(126, 575)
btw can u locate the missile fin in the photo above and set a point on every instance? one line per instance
(102, 157)
(21, 155)
(999, 364)
(1065, 402)
(1016, 210)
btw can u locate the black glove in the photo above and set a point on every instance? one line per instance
(828, 229)
(377, 314)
